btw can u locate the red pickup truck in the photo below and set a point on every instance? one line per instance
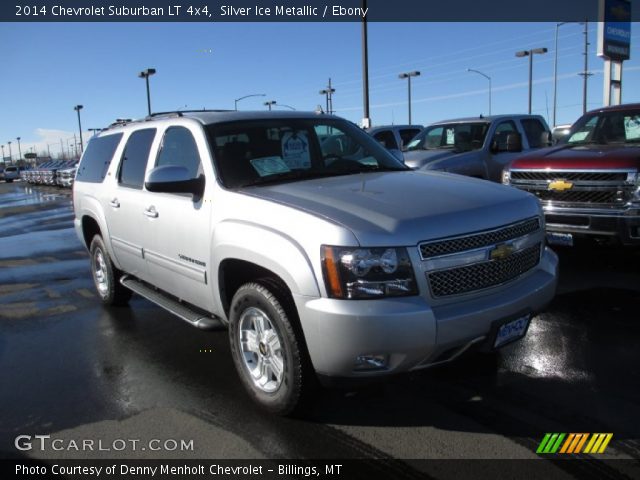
(589, 184)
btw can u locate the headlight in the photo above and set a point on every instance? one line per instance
(506, 176)
(353, 272)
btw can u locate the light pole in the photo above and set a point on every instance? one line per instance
(328, 92)
(530, 54)
(585, 74)
(284, 105)
(269, 103)
(2, 153)
(95, 130)
(77, 108)
(10, 155)
(488, 78)
(555, 74)
(146, 74)
(247, 96)
(19, 149)
(408, 76)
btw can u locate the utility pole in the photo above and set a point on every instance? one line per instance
(366, 120)
(327, 92)
(585, 74)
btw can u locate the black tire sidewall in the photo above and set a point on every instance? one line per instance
(284, 400)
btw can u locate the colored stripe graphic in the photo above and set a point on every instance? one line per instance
(553, 443)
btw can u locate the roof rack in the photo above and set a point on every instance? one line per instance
(179, 113)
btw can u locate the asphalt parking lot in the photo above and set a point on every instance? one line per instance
(75, 370)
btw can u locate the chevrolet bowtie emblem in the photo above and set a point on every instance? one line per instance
(560, 185)
(501, 251)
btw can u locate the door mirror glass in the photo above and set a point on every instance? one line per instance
(174, 179)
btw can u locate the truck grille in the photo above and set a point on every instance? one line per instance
(483, 275)
(478, 240)
(569, 176)
(580, 196)
(588, 188)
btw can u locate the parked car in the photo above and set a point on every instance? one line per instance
(294, 231)
(394, 137)
(478, 147)
(589, 185)
(11, 173)
(66, 175)
(1, 173)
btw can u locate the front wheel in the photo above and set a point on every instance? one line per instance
(106, 277)
(268, 354)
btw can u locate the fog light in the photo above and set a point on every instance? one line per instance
(371, 362)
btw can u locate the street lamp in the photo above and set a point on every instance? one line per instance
(146, 74)
(247, 96)
(284, 105)
(488, 78)
(19, 149)
(2, 153)
(408, 76)
(77, 108)
(328, 92)
(95, 130)
(269, 103)
(530, 54)
(10, 155)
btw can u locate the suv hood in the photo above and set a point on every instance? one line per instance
(582, 157)
(404, 208)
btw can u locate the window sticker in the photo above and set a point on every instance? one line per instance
(295, 150)
(632, 127)
(266, 166)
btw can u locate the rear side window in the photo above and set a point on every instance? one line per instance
(134, 158)
(534, 130)
(97, 158)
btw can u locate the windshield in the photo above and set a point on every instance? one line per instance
(618, 127)
(460, 137)
(260, 152)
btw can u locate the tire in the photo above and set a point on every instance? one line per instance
(106, 277)
(274, 366)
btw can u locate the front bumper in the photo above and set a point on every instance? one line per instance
(408, 331)
(622, 224)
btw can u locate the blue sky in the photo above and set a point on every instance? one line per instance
(46, 69)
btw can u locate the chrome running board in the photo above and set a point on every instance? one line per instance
(191, 316)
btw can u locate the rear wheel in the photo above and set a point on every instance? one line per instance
(106, 277)
(268, 353)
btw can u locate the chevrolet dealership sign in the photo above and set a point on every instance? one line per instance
(614, 29)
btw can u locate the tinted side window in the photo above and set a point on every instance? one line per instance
(179, 148)
(534, 130)
(407, 134)
(134, 158)
(386, 138)
(97, 158)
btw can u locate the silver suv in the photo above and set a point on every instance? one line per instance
(323, 256)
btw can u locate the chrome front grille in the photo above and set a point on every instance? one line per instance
(582, 188)
(478, 276)
(478, 240)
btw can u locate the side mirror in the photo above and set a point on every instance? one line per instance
(507, 142)
(545, 139)
(397, 153)
(514, 142)
(174, 179)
